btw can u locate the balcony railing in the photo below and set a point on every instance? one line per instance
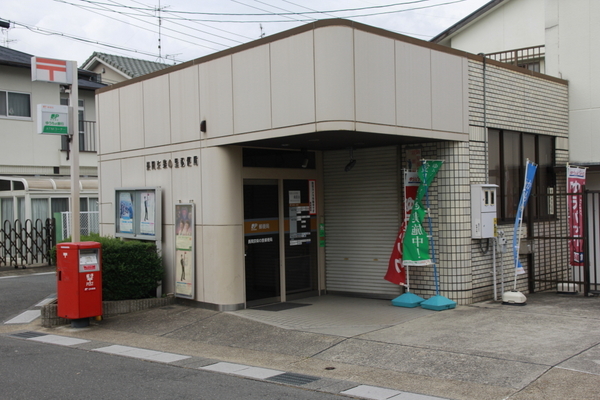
(87, 137)
(527, 57)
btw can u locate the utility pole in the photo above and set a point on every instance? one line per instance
(75, 205)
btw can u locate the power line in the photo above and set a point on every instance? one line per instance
(271, 13)
(49, 32)
(87, 8)
(311, 19)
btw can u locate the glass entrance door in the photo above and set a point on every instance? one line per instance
(279, 268)
(300, 237)
(261, 237)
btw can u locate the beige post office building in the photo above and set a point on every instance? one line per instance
(292, 149)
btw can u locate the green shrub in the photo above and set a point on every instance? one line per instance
(130, 269)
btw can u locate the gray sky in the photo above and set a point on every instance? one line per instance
(195, 28)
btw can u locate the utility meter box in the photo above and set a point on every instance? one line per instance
(79, 280)
(483, 211)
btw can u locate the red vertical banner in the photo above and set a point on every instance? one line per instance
(575, 184)
(396, 272)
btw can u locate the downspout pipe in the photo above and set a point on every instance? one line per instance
(485, 131)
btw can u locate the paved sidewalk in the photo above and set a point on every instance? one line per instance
(548, 349)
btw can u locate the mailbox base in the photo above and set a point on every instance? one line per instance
(80, 323)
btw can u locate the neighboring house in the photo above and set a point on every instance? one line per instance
(114, 69)
(35, 168)
(288, 154)
(560, 38)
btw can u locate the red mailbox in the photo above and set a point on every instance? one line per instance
(79, 280)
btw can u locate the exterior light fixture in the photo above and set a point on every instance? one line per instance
(352, 162)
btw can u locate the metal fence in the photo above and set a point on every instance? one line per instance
(89, 223)
(28, 243)
(551, 264)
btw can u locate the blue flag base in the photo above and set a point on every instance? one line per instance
(438, 303)
(408, 300)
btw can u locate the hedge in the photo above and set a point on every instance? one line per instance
(130, 269)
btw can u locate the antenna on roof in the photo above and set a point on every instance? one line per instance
(158, 10)
(262, 33)
(167, 56)
(4, 28)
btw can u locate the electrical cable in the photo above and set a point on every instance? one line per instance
(48, 32)
(87, 8)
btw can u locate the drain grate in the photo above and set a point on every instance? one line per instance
(281, 306)
(28, 334)
(293, 379)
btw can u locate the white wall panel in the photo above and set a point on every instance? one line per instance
(447, 87)
(584, 147)
(222, 186)
(216, 96)
(157, 111)
(186, 182)
(131, 117)
(160, 177)
(293, 80)
(134, 171)
(110, 178)
(413, 85)
(375, 74)
(185, 105)
(109, 130)
(334, 73)
(252, 90)
(223, 262)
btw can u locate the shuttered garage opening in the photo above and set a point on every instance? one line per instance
(361, 220)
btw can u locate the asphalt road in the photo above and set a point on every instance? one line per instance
(31, 370)
(21, 292)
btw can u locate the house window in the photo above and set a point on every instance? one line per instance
(13, 104)
(508, 154)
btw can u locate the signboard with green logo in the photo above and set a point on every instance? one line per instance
(53, 120)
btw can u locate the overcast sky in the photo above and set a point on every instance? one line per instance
(74, 29)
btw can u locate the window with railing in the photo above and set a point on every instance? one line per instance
(530, 58)
(87, 131)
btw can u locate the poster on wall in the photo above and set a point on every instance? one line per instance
(147, 213)
(299, 219)
(125, 212)
(184, 250)
(138, 213)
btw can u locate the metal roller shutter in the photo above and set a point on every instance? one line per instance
(361, 220)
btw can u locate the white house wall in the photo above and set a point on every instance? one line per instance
(513, 25)
(575, 52)
(24, 151)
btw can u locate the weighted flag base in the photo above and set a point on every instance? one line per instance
(408, 299)
(514, 298)
(438, 303)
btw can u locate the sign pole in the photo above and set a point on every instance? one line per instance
(74, 148)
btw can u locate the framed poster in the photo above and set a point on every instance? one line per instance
(184, 250)
(138, 213)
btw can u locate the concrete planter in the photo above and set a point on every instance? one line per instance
(50, 318)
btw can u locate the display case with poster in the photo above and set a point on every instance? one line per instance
(184, 250)
(138, 213)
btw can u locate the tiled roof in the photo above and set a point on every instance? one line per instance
(14, 57)
(132, 67)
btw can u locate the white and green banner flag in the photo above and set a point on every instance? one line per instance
(416, 241)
